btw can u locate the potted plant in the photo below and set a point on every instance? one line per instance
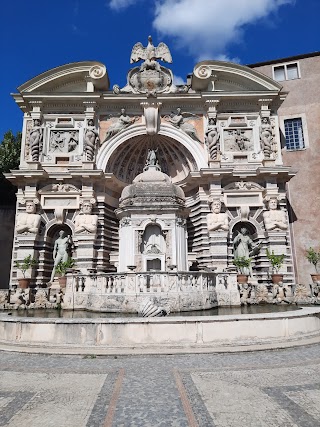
(314, 258)
(62, 268)
(276, 263)
(243, 264)
(24, 265)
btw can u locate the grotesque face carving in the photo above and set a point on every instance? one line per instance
(86, 208)
(216, 206)
(30, 207)
(273, 204)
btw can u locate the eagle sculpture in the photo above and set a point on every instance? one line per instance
(150, 53)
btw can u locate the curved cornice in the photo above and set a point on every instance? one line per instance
(93, 71)
(249, 79)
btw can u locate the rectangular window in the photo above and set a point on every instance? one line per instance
(286, 72)
(294, 134)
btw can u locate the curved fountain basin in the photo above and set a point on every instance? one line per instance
(158, 335)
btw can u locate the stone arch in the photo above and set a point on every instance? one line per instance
(176, 149)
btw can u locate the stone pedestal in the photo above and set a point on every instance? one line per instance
(218, 249)
(24, 246)
(86, 253)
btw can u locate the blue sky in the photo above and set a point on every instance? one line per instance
(37, 35)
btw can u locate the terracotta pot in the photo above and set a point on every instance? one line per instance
(315, 277)
(62, 281)
(23, 283)
(242, 278)
(276, 278)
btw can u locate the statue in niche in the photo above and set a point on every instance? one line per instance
(91, 140)
(181, 121)
(212, 138)
(217, 220)
(152, 160)
(122, 123)
(29, 221)
(243, 246)
(61, 251)
(266, 137)
(150, 54)
(274, 218)
(85, 222)
(36, 136)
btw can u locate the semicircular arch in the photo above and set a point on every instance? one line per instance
(125, 154)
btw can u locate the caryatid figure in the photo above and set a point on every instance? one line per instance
(212, 138)
(85, 222)
(274, 218)
(35, 138)
(217, 220)
(91, 140)
(28, 221)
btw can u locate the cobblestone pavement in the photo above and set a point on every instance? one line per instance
(279, 388)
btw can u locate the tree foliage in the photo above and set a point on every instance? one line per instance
(9, 159)
(10, 151)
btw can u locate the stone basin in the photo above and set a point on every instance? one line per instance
(127, 335)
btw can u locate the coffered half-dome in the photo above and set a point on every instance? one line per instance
(129, 159)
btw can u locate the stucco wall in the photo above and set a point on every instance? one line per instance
(303, 189)
(6, 240)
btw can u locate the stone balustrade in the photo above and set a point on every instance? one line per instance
(142, 282)
(181, 291)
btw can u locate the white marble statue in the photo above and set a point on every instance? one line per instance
(217, 220)
(28, 221)
(35, 138)
(212, 138)
(91, 140)
(244, 247)
(181, 121)
(274, 219)
(61, 251)
(85, 222)
(122, 123)
(266, 137)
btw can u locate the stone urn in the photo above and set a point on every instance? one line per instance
(24, 282)
(242, 278)
(276, 278)
(315, 277)
(62, 281)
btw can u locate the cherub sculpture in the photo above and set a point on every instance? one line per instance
(181, 121)
(150, 54)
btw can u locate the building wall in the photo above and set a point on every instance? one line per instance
(7, 215)
(303, 190)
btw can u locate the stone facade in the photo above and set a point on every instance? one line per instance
(302, 102)
(210, 160)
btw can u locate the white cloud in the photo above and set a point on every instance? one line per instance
(121, 4)
(177, 80)
(206, 27)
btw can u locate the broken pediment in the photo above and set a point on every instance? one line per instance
(87, 76)
(220, 76)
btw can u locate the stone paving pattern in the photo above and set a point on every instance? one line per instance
(279, 388)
